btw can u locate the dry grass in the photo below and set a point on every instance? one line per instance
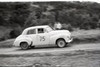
(4, 32)
(86, 36)
(7, 43)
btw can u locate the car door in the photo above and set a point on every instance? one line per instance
(32, 34)
(42, 36)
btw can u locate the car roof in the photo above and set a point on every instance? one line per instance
(43, 26)
(34, 27)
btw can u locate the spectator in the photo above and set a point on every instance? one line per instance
(57, 26)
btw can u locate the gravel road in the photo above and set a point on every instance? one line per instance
(53, 49)
(86, 55)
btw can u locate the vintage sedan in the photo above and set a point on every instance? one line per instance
(42, 35)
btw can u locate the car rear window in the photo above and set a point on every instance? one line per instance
(32, 31)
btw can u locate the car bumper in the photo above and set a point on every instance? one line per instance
(70, 40)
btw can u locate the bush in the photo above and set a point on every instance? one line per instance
(67, 27)
(15, 32)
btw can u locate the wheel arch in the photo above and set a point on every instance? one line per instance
(54, 38)
(59, 39)
(25, 40)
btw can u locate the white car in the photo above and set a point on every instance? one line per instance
(42, 35)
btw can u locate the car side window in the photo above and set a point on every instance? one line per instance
(32, 31)
(40, 30)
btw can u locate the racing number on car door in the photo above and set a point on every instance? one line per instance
(42, 38)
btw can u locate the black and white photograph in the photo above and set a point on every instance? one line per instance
(50, 33)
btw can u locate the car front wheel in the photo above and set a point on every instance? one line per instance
(24, 45)
(61, 43)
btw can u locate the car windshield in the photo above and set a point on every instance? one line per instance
(49, 29)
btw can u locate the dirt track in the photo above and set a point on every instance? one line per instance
(79, 55)
(51, 50)
(86, 60)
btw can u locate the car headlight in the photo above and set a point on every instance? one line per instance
(68, 37)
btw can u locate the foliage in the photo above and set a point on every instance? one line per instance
(83, 15)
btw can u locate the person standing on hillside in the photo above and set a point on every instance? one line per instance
(57, 26)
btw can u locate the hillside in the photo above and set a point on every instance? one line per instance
(15, 16)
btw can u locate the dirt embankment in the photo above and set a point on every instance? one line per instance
(86, 36)
(79, 36)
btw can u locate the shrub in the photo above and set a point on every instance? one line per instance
(67, 27)
(15, 32)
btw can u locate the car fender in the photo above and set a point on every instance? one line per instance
(55, 37)
(24, 39)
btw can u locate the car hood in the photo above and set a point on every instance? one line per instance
(60, 32)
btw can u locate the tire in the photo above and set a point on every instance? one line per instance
(24, 45)
(61, 43)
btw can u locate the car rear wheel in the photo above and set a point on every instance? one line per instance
(24, 45)
(61, 43)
